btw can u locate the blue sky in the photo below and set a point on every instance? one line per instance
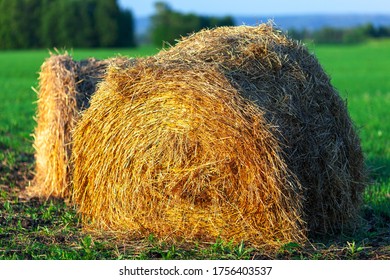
(142, 8)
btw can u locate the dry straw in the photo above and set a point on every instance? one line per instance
(234, 132)
(65, 87)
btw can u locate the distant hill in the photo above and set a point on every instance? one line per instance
(313, 22)
(310, 22)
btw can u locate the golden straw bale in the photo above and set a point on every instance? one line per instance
(320, 145)
(235, 132)
(65, 87)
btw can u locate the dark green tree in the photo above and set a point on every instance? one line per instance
(207, 22)
(106, 22)
(168, 25)
(126, 29)
(355, 35)
(88, 37)
(31, 19)
(383, 31)
(49, 23)
(18, 23)
(7, 19)
(76, 24)
(161, 24)
(328, 35)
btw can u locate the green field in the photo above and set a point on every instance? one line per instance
(50, 230)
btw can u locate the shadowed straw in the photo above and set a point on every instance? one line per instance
(234, 132)
(65, 87)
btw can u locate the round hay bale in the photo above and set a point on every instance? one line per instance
(319, 142)
(234, 133)
(65, 87)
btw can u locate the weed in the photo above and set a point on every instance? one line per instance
(353, 249)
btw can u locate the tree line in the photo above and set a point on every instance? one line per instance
(64, 23)
(90, 23)
(331, 35)
(103, 23)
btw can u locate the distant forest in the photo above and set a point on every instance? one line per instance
(64, 23)
(332, 35)
(89, 23)
(103, 23)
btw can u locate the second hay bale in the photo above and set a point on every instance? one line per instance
(65, 87)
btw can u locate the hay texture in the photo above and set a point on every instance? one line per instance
(235, 132)
(65, 87)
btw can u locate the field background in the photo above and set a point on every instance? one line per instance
(50, 230)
